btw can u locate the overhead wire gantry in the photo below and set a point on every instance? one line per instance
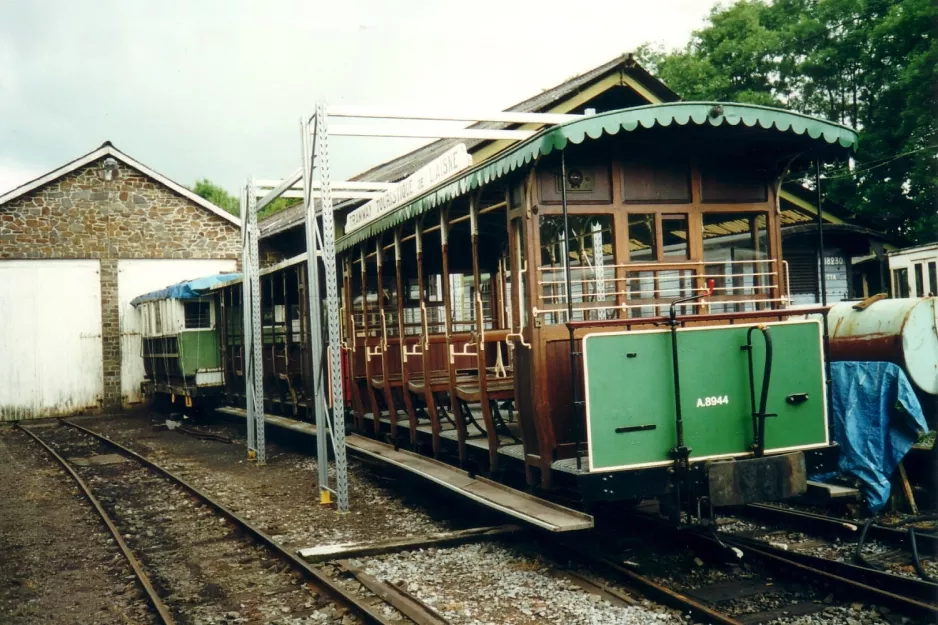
(318, 195)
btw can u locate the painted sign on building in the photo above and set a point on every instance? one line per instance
(442, 167)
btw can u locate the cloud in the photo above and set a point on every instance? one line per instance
(215, 89)
(13, 175)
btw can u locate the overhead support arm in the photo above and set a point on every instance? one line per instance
(507, 117)
(280, 189)
(352, 185)
(429, 133)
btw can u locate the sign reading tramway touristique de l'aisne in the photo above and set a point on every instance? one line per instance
(453, 160)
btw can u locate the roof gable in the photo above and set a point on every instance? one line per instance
(624, 68)
(108, 149)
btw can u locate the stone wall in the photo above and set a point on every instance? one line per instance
(81, 215)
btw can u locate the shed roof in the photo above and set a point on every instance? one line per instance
(107, 149)
(187, 289)
(396, 169)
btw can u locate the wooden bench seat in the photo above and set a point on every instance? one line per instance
(498, 389)
(395, 380)
(439, 381)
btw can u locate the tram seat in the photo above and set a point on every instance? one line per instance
(439, 381)
(499, 389)
(395, 380)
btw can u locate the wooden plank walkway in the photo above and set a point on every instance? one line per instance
(515, 503)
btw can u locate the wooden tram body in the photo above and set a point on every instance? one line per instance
(473, 332)
(446, 349)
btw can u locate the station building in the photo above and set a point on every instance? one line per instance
(76, 245)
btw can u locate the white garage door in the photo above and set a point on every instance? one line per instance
(50, 338)
(136, 277)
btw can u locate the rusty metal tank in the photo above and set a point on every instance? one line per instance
(903, 331)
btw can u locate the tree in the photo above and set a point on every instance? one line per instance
(222, 199)
(207, 189)
(869, 64)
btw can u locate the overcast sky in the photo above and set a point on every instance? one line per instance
(199, 88)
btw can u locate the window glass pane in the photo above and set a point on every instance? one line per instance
(591, 260)
(650, 292)
(932, 279)
(674, 236)
(642, 238)
(919, 280)
(737, 255)
(432, 299)
(198, 315)
(900, 282)
(460, 290)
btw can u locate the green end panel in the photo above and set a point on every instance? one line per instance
(198, 349)
(630, 384)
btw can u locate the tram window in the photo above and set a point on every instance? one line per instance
(900, 282)
(642, 241)
(461, 296)
(436, 313)
(736, 253)
(591, 261)
(932, 279)
(919, 280)
(674, 236)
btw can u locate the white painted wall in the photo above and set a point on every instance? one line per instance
(136, 277)
(50, 338)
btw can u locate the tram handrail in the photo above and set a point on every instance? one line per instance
(647, 303)
(726, 316)
(665, 266)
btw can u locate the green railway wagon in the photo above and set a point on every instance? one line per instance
(180, 342)
(632, 398)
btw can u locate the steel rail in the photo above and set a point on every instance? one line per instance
(141, 575)
(322, 582)
(649, 587)
(894, 591)
(807, 565)
(840, 527)
(888, 586)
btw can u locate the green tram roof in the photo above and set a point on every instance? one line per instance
(699, 114)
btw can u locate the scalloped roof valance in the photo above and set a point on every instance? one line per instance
(712, 114)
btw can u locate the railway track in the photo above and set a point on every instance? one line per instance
(196, 560)
(900, 549)
(652, 562)
(759, 569)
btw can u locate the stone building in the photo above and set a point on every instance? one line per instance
(76, 245)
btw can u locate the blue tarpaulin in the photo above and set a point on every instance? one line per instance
(187, 289)
(876, 420)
